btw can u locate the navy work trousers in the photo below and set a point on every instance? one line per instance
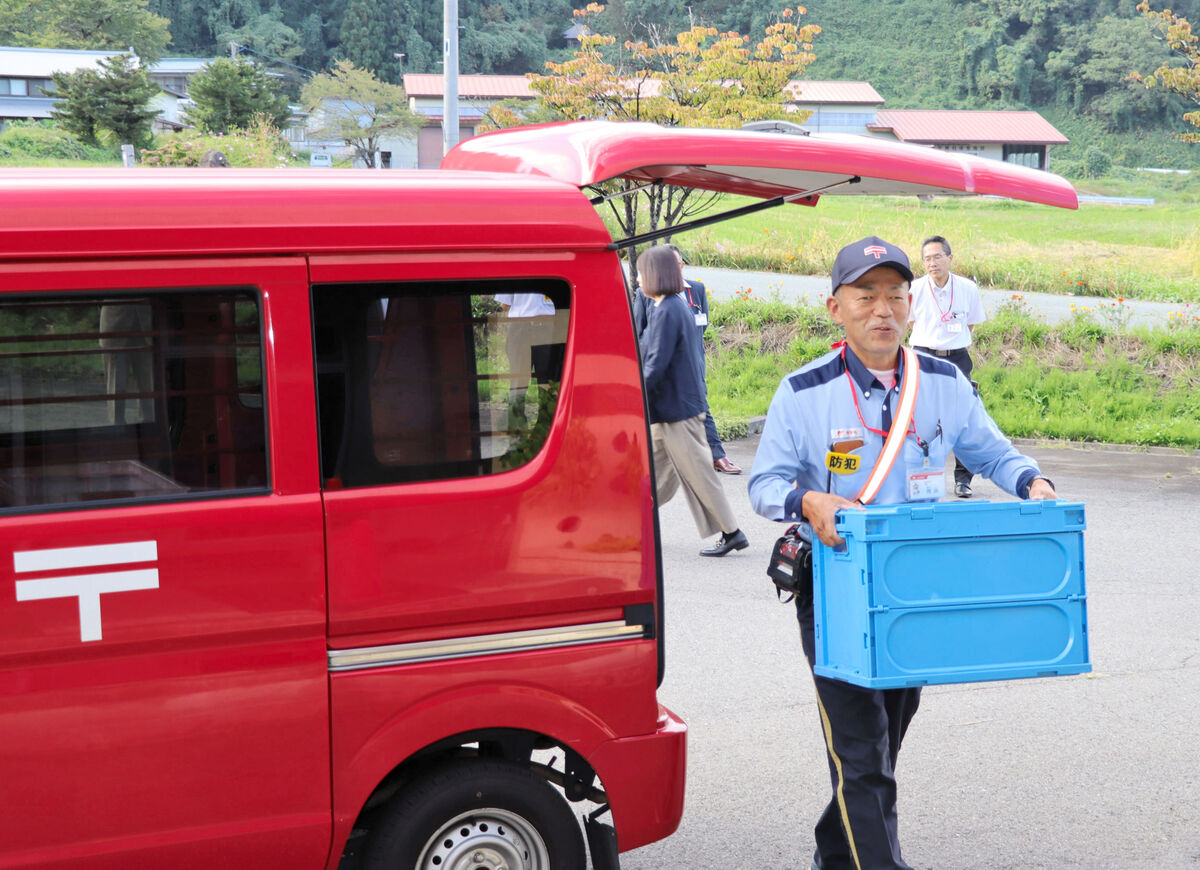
(863, 729)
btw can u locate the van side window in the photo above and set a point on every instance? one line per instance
(429, 381)
(109, 399)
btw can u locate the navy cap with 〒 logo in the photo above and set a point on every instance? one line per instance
(858, 258)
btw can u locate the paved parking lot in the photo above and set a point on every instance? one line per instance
(1095, 771)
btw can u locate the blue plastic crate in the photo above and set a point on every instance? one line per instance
(952, 592)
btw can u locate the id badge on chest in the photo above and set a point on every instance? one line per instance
(701, 318)
(925, 483)
(953, 327)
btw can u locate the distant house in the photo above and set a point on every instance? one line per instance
(476, 95)
(306, 134)
(27, 91)
(173, 75)
(1015, 137)
(837, 107)
(572, 35)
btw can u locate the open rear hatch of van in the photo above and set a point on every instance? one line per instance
(775, 167)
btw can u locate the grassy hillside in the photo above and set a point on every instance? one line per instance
(911, 51)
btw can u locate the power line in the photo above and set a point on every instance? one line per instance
(236, 48)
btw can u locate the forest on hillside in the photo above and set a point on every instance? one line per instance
(1070, 58)
(1067, 59)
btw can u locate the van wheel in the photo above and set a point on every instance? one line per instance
(478, 815)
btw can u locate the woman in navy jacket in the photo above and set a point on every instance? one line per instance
(673, 370)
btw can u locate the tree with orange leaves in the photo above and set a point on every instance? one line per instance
(698, 78)
(1183, 80)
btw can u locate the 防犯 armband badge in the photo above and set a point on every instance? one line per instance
(841, 463)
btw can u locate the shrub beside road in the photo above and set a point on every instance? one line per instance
(1090, 378)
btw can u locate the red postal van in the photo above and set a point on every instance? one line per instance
(312, 555)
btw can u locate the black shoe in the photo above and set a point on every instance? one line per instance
(962, 490)
(725, 543)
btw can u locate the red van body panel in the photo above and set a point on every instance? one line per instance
(233, 626)
(197, 723)
(58, 214)
(749, 162)
(214, 721)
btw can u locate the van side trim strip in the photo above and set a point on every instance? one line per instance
(482, 645)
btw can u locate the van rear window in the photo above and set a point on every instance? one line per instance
(429, 381)
(130, 397)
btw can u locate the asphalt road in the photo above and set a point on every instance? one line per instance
(1094, 771)
(724, 283)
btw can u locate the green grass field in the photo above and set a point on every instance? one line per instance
(1129, 251)
(1084, 380)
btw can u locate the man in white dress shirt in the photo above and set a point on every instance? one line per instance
(945, 308)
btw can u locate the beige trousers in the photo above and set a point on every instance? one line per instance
(682, 458)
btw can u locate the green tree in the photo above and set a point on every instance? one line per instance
(352, 105)
(1093, 65)
(228, 94)
(109, 102)
(189, 32)
(1181, 79)
(88, 24)
(266, 33)
(700, 78)
(370, 38)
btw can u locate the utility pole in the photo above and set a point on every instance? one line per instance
(450, 75)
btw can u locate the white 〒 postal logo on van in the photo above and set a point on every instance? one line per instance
(86, 587)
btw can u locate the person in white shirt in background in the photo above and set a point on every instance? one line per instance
(945, 308)
(530, 346)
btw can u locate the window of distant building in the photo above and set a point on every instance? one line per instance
(1033, 156)
(12, 87)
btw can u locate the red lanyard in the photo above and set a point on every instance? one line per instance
(688, 290)
(912, 426)
(948, 313)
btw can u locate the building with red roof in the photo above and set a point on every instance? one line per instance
(1013, 136)
(476, 95)
(836, 107)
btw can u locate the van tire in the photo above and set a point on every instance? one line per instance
(467, 810)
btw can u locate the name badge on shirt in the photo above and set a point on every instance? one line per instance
(926, 484)
(841, 463)
(953, 327)
(701, 318)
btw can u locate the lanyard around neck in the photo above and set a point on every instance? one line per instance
(858, 410)
(901, 422)
(945, 315)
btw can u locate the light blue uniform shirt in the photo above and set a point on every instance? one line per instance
(815, 407)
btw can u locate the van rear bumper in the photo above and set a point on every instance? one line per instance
(644, 780)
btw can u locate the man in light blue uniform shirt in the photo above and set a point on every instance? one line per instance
(824, 431)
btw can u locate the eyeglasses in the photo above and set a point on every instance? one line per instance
(933, 258)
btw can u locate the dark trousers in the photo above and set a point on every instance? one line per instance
(863, 730)
(710, 425)
(962, 359)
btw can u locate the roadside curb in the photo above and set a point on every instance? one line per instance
(1096, 447)
(754, 426)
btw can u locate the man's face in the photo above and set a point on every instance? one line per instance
(874, 312)
(937, 262)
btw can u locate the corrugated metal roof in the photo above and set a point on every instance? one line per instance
(802, 91)
(41, 63)
(433, 85)
(179, 65)
(968, 125)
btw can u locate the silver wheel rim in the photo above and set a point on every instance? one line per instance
(485, 839)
